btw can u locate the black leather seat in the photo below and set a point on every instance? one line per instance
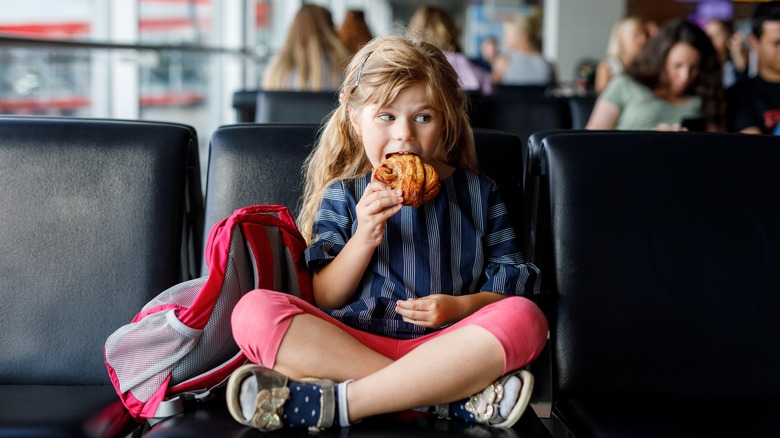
(521, 90)
(261, 164)
(245, 104)
(580, 108)
(255, 164)
(665, 270)
(294, 106)
(266, 106)
(500, 156)
(91, 229)
(521, 115)
(212, 419)
(535, 205)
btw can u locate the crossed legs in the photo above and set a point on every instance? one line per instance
(294, 338)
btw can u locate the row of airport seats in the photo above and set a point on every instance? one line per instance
(659, 254)
(520, 110)
(100, 217)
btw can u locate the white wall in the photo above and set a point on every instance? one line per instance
(577, 29)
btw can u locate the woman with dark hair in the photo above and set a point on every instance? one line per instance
(676, 80)
(731, 50)
(354, 31)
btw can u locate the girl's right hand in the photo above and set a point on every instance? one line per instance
(378, 204)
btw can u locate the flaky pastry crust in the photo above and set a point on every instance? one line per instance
(419, 181)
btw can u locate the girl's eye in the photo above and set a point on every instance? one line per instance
(422, 118)
(386, 117)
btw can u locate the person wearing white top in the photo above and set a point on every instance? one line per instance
(521, 63)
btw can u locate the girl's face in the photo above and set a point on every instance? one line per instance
(408, 124)
(681, 69)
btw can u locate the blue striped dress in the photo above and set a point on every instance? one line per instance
(461, 242)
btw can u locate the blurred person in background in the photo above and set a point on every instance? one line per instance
(754, 104)
(730, 47)
(312, 58)
(436, 26)
(626, 42)
(674, 84)
(521, 62)
(354, 31)
(488, 52)
(651, 27)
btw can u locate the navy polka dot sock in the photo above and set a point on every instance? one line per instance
(303, 407)
(458, 410)
(511, 386)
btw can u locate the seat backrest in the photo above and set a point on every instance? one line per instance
(262, 164)
(522, 115)
(245, 104)
(534, 206)
(580, 108)
(500, 156)
(91, 230)
(294, 106)
(253, 164)
(521, 90)
(665, 264)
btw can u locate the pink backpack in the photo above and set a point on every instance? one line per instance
(180, 345)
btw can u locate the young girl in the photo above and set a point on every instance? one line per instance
(416, 306)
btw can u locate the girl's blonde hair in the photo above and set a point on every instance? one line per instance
(376, 75)
(313, 54)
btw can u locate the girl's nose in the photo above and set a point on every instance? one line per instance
(403, 131)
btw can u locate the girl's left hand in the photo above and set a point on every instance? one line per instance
(432, 311)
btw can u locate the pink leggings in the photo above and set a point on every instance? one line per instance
(261, 319)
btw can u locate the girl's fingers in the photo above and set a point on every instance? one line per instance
(377, 187)
(382, 199)
(411, 309)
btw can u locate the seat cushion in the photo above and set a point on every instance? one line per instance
(212, 419)
(668, 417)
(51, 410)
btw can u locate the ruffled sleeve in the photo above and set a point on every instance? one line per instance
(506, 272)
(333, 226)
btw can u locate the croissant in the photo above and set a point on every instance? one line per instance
(418, 180)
